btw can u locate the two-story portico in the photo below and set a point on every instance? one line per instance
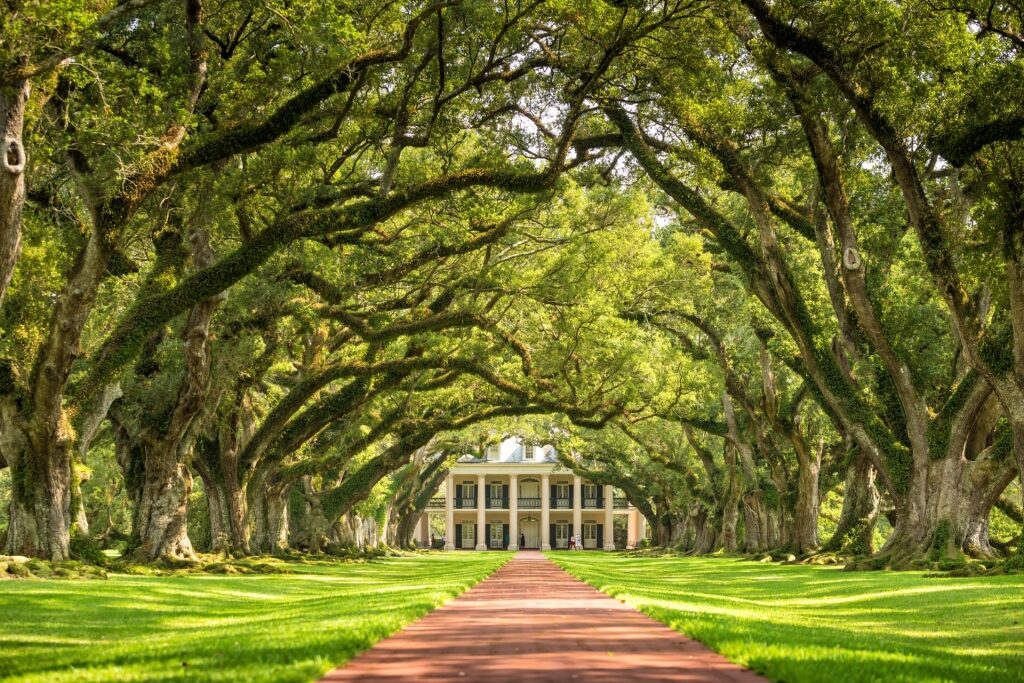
(518, 496)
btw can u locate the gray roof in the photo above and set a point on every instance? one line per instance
(548, 455)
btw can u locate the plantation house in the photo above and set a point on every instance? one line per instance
(518, 496)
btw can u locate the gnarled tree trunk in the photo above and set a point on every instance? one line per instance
(854, 533)
(40, 507)
(270, 521)
(13, 97)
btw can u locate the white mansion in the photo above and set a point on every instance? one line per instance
(519, 496)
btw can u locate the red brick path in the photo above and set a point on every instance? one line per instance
(530, 621)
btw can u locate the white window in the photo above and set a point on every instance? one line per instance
(497, 534)
(492, 452)
(468, 494)
(528, 451)
(563, 497)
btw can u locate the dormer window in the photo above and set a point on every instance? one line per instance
(528, 451)
(492, 452)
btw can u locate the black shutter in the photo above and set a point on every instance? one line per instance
(487, 535)
(476, 533)
(458, 536)
(504, 536)
(551, 537)
(600, 536)
(458, 495)
(504, 493)
(554, 501)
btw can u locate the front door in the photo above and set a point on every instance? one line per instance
(529, 527)
(561, 535)
(497, 536)
(589, 535)
(468, 536)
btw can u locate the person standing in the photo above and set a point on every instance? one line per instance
(522, 541)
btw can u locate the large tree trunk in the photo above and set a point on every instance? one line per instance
(730, 510)
(12, 177)
(948, 515)
(228, 504)
(755, 526)
(270, 520)
(40, 508)
(854, 533)
(406, 529)
(808, 504)
(79, 520)
(705, 530)
(217, 509)
(160, 521)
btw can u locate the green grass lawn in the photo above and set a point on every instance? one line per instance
(199, 627)
(807, 623)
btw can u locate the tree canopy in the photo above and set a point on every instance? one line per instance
(758, 265)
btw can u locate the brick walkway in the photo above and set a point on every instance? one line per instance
(530, 621)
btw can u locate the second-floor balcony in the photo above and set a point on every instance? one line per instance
(500, 503)
(436, 503)
(529, 503)
(593, 502)
(465, 503)
(561, 503)
(620, 503)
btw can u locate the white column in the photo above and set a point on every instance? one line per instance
(449, 513)
(513, 512)
(641, 527)
(545, 512)
(577, 507)
(631, 541)
(481, 512)
(425, 521)
(609, 518)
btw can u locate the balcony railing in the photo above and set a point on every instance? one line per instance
(529, 503)
(593, 502)
(563, 503)
(620, 503)
(465, 503)
(436, 503)
(497, 503)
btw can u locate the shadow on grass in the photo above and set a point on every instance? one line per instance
(803, 623)
(289, 627)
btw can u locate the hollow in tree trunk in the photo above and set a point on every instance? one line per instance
(13, 97)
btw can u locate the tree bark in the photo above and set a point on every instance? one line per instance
(13, 97)
(854, 533)
(160, 522)
(40, 507)
(270, 520)
(730, 509)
